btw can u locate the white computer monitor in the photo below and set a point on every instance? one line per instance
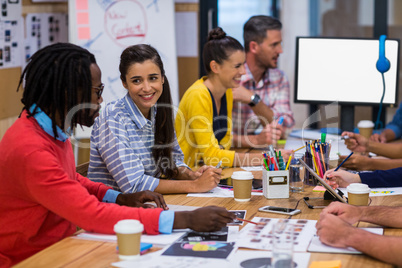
(344, 70)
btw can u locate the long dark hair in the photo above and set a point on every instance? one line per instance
(164, 129)
(58, 78)
(219, 47)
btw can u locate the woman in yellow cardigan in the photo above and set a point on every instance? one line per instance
(204, 119)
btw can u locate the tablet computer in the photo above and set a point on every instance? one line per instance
(326, 185)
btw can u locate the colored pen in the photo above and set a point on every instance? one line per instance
(266, 164)
(290, 159)
(271, 167)
(313, 157)
(273, 160)
(343, 161)
(219, 164)
(280, 121)
(323, 137)
(299, 148)
(323, 159)
(317, 157)
(253, 222)
(271, 153)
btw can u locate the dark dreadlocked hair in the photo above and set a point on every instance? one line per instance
(57, 78)
(164, 129)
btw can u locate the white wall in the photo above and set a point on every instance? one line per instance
(295, 20)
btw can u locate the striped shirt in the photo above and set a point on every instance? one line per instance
(273, 89)
(121, 148)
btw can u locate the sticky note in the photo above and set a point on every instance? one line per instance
(326, 264)
(84, 33)
(82, 18)
(81, 4)
(319, 189)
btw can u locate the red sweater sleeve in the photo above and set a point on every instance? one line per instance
(52, 186)
(94, 188)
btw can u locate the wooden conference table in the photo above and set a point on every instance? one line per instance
(72, 252)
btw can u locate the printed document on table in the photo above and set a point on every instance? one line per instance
(260, 236)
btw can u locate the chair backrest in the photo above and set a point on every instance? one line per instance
(82, 169)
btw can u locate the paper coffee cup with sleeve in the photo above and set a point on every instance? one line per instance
(365, 128)
(128, 234)
(242, 185)
(358, 194)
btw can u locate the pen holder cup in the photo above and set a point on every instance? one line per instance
(275, 184)
(309, 179)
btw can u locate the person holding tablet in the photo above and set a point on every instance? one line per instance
(374, 179)
(204, 119)
(133, 142)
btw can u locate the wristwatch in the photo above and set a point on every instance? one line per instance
(255, 99)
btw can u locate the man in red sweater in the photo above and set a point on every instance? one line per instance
(42, 198)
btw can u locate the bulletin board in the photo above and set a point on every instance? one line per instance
(10, 100)
(106, 28)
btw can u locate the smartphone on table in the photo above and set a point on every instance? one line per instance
(280, 210)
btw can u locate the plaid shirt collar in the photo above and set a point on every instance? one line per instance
(248, 77)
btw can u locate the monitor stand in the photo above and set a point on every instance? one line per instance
(347, 117)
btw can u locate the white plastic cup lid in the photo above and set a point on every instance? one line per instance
(128, 227)
(365, 124)
(358, 188)
(242, 175)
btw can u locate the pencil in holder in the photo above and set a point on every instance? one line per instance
(323, 166)
(309, 179)
(275, 184)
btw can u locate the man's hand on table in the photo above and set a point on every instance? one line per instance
(140, 198)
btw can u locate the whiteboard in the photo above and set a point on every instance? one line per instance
(106, 28)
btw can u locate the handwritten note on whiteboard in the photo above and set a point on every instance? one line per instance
(107, 27)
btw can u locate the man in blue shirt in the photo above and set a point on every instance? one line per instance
(393, 130)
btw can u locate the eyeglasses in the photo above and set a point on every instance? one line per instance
(99, 90)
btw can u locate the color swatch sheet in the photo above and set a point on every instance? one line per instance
(260, 236)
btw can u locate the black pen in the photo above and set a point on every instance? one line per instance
(343, 161)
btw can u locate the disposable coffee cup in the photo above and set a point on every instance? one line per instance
(128, 238)
(358, 194)
(365, 128)
(242, 184)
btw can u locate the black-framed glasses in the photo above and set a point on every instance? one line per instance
(99, 90)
